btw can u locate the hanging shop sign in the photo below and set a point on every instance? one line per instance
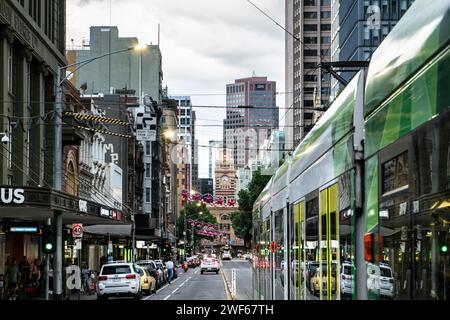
(12, 196)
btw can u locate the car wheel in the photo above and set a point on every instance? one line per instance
(217, 272)
(102, 297)
(202, 272)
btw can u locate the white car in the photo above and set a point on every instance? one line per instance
(347, 272)
(119, 279)
(210, 265)
(226, 256)
(386, 281)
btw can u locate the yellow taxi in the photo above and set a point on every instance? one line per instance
(148, 283)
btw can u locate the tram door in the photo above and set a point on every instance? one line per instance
(329, 244)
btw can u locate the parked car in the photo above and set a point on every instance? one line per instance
(154, 271)
(119, 279)
(148, 282)
(347, 272)
(161, 266)
(210, 265)
(386, 281)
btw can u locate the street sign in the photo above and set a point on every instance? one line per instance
(78, 244)
(77, 230)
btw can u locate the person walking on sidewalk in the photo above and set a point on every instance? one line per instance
(13, 276)
(170, 266)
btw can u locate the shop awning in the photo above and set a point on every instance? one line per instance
(112, 230)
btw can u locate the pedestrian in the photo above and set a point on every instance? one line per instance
(13, 277)
(85, 277)
(2, 286)
(169, 266)
(24, 269)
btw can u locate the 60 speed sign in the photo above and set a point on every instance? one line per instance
(77, 230)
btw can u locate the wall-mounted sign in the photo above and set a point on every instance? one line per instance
(23, 229)
(82, 204)
(104, 212)
(12, 196)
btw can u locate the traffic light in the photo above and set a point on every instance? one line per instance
(48, 239)
(443, 244)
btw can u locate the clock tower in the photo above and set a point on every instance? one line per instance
(225, 176)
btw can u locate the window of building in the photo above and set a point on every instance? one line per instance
(325, 27)
(148, 170)
(325, 2)
(310, 2)
(147, 148)
(395, 173)
(310, 15)
(310, 27)
(147, 195)
(325, 14)
(310, 53)
(325, 40)
(312, 40)
(311, 78)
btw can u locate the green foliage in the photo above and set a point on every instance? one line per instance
(192, 211)
(242, 219)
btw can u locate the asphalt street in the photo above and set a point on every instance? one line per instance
(193, 285)
(243, 277)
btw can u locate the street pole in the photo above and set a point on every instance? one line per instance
(47, 268)
(57, 270)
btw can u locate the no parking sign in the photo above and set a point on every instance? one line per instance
(77, 230)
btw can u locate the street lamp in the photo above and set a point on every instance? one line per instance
(58, 160)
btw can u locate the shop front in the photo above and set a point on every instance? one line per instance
(24, 211)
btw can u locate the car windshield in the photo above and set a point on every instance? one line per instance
(385, 272)
(209, 260)
(120, 269)
(347, 270)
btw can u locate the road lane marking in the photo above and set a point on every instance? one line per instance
(167, 297)
(225, 285)
(175, 290)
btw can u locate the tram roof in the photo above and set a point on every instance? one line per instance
(423, 31)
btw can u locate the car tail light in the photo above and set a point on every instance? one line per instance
(131, 276)
(102, 278)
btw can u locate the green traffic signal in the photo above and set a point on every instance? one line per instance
(48, 240)
(48, 246)
(444, 249)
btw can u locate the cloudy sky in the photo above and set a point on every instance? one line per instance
(205, 45)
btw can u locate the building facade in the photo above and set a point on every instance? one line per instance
(136, 69)
(252, 114)
(307, 86)
(358, 28)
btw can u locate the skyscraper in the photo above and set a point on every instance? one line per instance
(359, 27)
(308, 87)
(252, 114)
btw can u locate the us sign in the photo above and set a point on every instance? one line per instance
(77, 230)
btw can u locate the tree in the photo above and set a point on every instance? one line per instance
(192, 211)
(242, 220)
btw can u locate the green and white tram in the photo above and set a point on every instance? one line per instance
(362, 210)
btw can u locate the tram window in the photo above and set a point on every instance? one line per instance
(395, 173)
(312, 208)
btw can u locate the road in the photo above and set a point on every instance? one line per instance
(243, 277)
(192, 285)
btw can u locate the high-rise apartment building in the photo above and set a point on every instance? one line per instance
(307, 86)
(186, 134)
(359, 27)
(252, 114)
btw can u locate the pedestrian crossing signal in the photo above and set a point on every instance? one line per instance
(48, 240)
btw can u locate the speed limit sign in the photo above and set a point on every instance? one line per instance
(77, 230)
